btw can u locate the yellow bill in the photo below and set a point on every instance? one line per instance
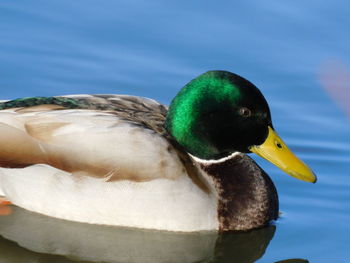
(276, 151)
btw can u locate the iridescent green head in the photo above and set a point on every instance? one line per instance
(218, 113)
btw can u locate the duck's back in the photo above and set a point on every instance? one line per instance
(97, 135)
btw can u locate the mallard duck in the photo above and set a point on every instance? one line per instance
(131, 161)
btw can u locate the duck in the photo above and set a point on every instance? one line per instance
(130, 161)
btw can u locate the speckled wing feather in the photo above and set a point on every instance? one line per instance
(135, 111)
(146, 112)
(141, 111)
(131, 108)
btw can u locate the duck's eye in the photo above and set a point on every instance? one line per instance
(245, 112)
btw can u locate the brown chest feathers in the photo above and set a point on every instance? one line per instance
(247, 196)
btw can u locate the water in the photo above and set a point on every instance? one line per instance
(293, 51)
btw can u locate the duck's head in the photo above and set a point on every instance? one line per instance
(219, 113)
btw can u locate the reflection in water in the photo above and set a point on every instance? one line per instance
(44, 239)
(31, 237)
(11, 252)
(242, 246)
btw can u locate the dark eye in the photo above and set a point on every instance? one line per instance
(245, 112)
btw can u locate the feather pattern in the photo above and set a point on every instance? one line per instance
(58, 137)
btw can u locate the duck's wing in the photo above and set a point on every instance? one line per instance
(140, 110)
(108, 136)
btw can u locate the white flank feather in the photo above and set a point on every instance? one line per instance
(175, 205)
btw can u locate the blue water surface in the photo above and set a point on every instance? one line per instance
(152, 48)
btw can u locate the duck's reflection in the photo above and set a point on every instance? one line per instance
(11, 252)
(38, 238)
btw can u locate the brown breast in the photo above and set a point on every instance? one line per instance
(247, 196)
